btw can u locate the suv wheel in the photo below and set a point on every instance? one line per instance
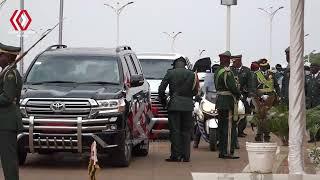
(142, 149)
(123, 156)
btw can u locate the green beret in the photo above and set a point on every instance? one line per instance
(226, 54)
(9, 49)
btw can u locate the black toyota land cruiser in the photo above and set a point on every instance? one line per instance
(74, 96)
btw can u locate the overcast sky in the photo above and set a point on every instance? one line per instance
(203, 22)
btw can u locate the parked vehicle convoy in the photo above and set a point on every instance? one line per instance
(155, 66)
(74, 96)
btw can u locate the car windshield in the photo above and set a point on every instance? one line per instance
(74, 69)
(155, 68)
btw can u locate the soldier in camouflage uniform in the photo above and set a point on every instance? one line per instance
(183, 85)
(243, 76)
(313, 90)
(266, 84)
(226, 104)
(10, 117)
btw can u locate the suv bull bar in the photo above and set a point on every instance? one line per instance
(58, 140)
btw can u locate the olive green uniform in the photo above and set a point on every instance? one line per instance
(313, 90)
(228, 95)
(182, 88)
(284, 94)
(10, 122)
(266, 84)
(243, 77)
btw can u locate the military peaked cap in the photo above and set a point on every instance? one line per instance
(263, 62)
(181, 59)
(226, 54)
(9, 49)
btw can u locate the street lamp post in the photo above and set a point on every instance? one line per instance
(173, 36)
(118, 11)
(228, 3)
(201, 51)
(21, 41)
(2, 3)
(61, 21)
(271, 13)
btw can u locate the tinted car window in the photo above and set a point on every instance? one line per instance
(155, 68)
(75, 69)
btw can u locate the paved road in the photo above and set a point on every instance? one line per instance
(72, 167)
(64, 166)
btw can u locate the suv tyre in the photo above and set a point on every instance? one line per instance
(123, 154)
(142, 149)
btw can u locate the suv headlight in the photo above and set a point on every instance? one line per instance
(109, 106)
(207, 106)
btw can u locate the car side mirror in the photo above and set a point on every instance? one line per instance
(137, 80)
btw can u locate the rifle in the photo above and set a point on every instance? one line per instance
(12, 65)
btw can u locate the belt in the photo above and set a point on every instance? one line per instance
(224, 93)
(267, 90)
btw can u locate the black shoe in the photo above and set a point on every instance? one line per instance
(185, 159)
(228, 156)
(174, 159)
(195, 146)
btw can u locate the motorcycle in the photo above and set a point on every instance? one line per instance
(206, 117)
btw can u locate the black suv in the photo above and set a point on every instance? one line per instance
(74, 96)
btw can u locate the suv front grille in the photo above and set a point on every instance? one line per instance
(72, 108)
(158, 109)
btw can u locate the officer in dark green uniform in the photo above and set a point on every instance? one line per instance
(10, 118)
(243, 77)
(313, 90)
(183, 85)
(266, 85)
(284, 94)
(226, 104)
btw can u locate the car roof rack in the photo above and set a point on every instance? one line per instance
(122, 48)
(57, 46)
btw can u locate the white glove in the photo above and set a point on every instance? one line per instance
(264, 97)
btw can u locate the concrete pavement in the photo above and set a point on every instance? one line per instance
(64, 166)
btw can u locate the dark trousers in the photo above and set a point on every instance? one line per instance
(263, 133)
(180, 126)
(197, 135)
(242, 125)
(223, 132)
(9, 155)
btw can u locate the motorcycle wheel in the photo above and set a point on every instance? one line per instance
(213, 139)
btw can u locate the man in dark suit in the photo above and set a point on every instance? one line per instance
(183, 85)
